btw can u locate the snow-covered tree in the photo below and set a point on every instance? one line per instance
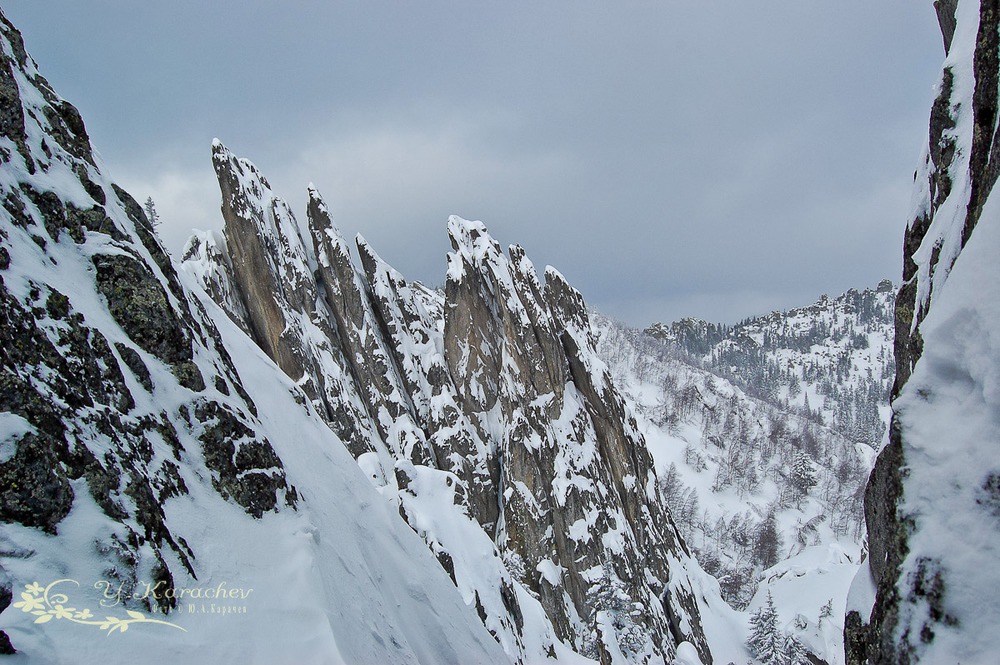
(803, 476)
(766, 642)
(794, 385)
(671, 487)
(793, 652)
(614, 615)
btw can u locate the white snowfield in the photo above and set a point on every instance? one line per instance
(339, 580)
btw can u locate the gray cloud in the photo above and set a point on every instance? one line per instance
(703, 158)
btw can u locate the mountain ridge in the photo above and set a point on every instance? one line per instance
(767, 495)
(447, 385)
(489, 471)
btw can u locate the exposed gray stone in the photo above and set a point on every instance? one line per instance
(11, 111)
(134, 362)
(278, 293)
(252, 255)
(946, 19)
(245, 467)
(361, 334)
(140, 305)
(34, 494)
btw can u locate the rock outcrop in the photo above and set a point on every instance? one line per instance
(491, 392)
(95, 327)
(261, 276)
(918, 598)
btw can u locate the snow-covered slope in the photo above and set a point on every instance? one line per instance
(928, 590)
(168, 494)
(767, 497)
(779, 415)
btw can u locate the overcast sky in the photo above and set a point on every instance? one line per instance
(705, 158)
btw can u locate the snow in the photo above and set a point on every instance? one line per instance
(947, 410)
(686, 655)
(951, 435)
(206, 256)
(801, 585)
(580, 530)
(816, 562)
(725, 628)
(308, 568)
(12, 428)
(342, 578)
(945, 233)
(861, 597)
(429, 501)
(550, 572)
(834, 357)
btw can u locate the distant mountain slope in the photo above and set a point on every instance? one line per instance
(832, 359)
(159, 474)
(763, 434)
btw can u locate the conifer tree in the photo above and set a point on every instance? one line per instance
(803, 476)
(768, 543)
(766, 642)
(792, 653)
(770, 645)
(151, 214)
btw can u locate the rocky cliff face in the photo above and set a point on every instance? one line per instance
(491, 392)
(135, 452)
(918, 599)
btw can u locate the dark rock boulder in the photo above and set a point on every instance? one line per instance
(140, 305)
(243, 466)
